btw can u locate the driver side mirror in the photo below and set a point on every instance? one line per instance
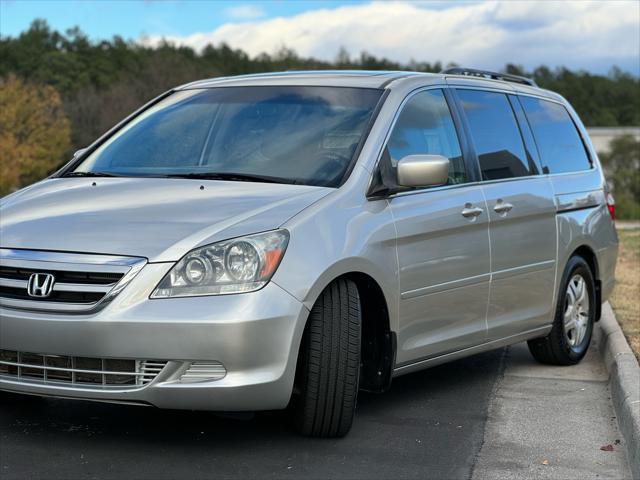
(423, 171)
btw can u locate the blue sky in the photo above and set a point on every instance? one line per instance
(133, 18)
(581, 34)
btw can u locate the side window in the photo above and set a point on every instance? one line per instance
(496, 135)
(425, 126)
(560, 146)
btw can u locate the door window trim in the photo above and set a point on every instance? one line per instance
(585, 145)
(518, 94)
(530, 145)
(467, 148)
(507, 94)
(460, 134)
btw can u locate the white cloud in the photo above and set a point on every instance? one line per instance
(245, 12)
(590, 35)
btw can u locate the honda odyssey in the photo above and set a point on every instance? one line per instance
(286, 240)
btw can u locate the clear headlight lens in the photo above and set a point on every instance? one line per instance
(239, 265)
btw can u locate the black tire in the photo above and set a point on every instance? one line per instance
(555, 348)
(329, 364)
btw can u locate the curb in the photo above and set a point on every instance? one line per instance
(624, 381)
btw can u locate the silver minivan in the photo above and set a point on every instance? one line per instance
(284, 240)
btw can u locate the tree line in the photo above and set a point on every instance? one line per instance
(76, 89)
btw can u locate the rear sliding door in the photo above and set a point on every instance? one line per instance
(521, 212)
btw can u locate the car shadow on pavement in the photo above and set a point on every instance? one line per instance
(430, 424)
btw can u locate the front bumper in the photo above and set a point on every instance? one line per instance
(254, 335)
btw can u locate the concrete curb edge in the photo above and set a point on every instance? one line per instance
(624, 381)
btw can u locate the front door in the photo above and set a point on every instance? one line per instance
(442, 239)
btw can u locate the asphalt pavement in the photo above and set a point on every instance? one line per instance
(457, 421)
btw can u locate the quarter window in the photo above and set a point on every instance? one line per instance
(425, 126)
(560, 146)
(496, 135)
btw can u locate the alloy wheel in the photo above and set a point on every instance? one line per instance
(576, 313)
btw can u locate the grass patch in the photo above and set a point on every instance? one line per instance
(625, 299)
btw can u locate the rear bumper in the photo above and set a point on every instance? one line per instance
(254, 335)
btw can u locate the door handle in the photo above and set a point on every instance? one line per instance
(471, 212)
(502, 207)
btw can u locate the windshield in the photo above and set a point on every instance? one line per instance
(304, 135)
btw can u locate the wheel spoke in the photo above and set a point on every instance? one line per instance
(568, 314)
(580, 331)
(571, 293)
(580, 290)
(585, 301)
(570, 324)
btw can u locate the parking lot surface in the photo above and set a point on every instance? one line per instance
(488, 416)
(429, 425)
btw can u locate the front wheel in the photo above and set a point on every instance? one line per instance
(569, 339)
(329, 363)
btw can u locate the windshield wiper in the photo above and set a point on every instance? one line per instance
(238, 177)
(90, 174)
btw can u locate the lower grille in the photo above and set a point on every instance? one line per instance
(87, 372)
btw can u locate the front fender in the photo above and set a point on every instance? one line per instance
(338, 236)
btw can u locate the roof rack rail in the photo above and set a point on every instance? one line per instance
(507, 77)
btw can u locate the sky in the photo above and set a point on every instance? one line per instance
(482, 34)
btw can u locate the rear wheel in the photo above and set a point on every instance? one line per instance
(570, 336)
(329, 363)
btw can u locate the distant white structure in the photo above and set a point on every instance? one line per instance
(601, 136)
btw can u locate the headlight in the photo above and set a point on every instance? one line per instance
(239, 265)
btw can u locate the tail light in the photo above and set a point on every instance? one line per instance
(611, 205)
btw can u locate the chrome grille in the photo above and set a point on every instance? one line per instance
(150, 370)
(203, 372)
(81, 283)
(86, 372)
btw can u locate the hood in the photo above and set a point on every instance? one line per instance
(160, 219)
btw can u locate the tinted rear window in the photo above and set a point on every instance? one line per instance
(560, 146)
(496, 135)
